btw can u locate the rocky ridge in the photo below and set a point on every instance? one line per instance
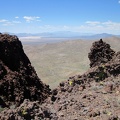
(95, 95)
(18, 79)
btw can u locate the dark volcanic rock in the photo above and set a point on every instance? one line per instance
(113, 66)
(95, 95)
(18, 79)
(11, 52)
(100, 53)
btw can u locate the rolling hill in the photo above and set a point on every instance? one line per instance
(56, 62)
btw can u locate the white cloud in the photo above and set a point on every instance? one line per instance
(16, 17)
(93, 23)
(3, 20)
(37, 17)
(111, 25)
(87, 27)
(101, 27)
(31, 18)
(53, 28)
(8, 23)
(16, 22)
(119, 1)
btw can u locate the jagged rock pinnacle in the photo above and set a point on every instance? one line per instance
(18, 79)
(100, 53)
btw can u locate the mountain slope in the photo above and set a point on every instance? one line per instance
(94, 95)
(56, 62)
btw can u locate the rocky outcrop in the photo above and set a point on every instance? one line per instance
(100, 53)
(95, 95)
(18, 79)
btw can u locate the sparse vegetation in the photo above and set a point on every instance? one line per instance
(56, 62)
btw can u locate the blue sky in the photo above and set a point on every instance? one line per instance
(84, 16)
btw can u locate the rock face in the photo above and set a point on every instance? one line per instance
(100, 53)
(95, 95)
(18, 79)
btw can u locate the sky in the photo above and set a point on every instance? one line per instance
(37, 16)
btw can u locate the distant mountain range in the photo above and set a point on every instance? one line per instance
(98, 36)
(66, 34)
